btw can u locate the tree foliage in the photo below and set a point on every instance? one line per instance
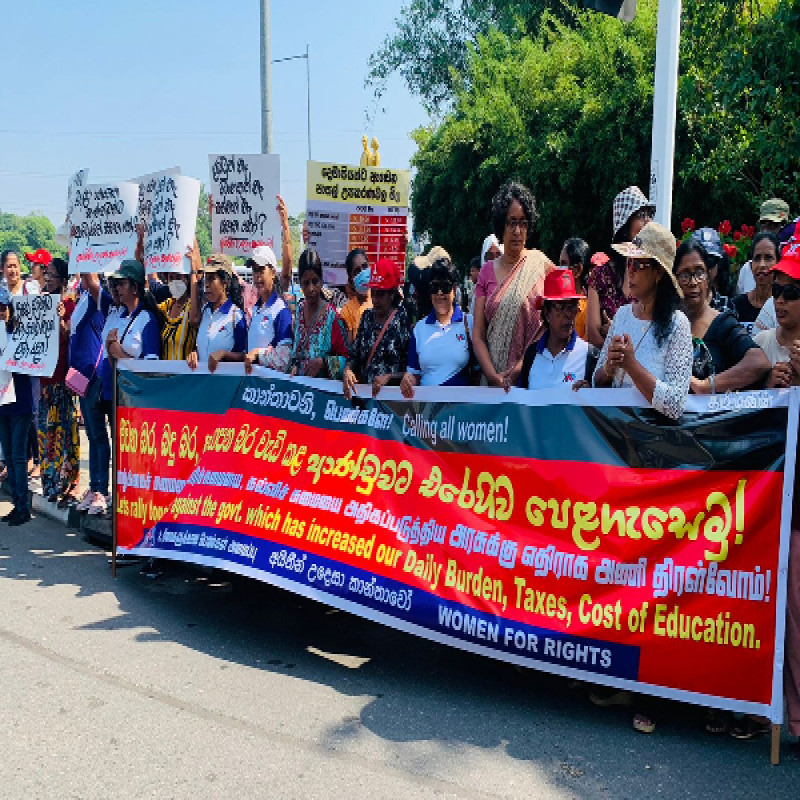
(28, 233)
(569, 112)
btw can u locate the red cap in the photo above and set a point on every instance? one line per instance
(40, 256)
(558, 285)
(790, 261)
(384, 275)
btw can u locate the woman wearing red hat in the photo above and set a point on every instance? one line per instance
(559, 357)
(380, 350)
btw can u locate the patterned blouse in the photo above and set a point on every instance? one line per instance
(391, 355)
(326, 339)
(603, 279)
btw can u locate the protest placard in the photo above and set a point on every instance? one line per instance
(103, 226)
(7, 393)
(76, 182)
(171, 224)
(349, 207)
(147, 190)
(32, 347)
(243, 191)
(602, 542)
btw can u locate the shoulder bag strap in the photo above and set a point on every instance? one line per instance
(380, 336)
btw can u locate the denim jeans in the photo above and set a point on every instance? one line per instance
(14, 430)
(94, 422)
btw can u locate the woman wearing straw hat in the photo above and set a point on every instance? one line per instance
(649, 344)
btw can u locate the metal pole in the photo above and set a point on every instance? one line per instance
(308, 91)
(266, 81)
(665, 101)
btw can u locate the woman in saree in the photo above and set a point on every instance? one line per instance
(506, 318)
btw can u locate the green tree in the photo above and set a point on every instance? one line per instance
(28, 233)
(203, 229)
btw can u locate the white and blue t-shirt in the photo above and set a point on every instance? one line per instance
(438, 353)
(223, 329)
(566, 368)
(270, 324)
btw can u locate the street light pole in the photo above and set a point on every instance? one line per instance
(307, 57)
(266, 81)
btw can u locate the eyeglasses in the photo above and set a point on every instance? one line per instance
(687, 276)
(790, 292)
(445, 287)
(517, 224)
(566, 307)
(637, 264)
(642, 214)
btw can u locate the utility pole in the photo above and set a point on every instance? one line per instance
(266, 81)
(665, 103)
(308, 94)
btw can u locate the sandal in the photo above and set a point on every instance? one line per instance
(717, 722)
(749, 728)
(643, 724)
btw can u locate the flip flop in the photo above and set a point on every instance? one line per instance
(643, 724)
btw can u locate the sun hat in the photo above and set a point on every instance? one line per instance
(264, 255)
(559, 284)
(626, 204)
(384, 275)
(490, 240)
(129, 268)
(652, 241)
(790, 262)
(774, 210)
(435, 253)
(709, 239)
(40, 256)
(217, 262)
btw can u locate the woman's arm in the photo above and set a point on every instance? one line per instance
(597, 322)
(751, 369)
(285, 277)
(480, 343)
(602, 378)
(93, 284)
(669, 396)
(195, 311)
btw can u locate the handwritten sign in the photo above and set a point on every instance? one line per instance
(243, 188)
(32, 347)
(7, 392)
(103, 226)
(172, 222)
(76, 182)
(147, 190)
(349, 207)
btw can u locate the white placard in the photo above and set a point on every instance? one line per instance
(103, 226)
(173, 218)
(76, 182)
(32, 347)
(7, 392)
(243, 190)
(147, 189)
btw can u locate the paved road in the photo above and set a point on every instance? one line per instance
(194, 685)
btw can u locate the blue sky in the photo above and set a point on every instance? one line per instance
(125, 89)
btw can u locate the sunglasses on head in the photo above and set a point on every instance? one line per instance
(790, 292)
(445, 287)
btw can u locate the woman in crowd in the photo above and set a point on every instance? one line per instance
(178, 334)
(559, 357)
(439, 348)
(719, 268)
(380, 351)
(59, 444)
(491, 249)
(269, 337)
(649, 343)
(764, 255)
(319, 349)
(15, 423)
(506, 317)
(221, 324)
(725, 357)
(576, 256)
(608, 281)
(358, 280)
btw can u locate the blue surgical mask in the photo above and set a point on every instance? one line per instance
(361, 281)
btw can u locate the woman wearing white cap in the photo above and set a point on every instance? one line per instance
(269, 336)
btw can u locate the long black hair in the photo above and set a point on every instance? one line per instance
(667, 302)
(578, 252)
(772, 238)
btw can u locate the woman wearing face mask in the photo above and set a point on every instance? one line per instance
(179, 335)
(269, 337)
(358, 276)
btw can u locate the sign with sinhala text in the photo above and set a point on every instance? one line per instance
(32, 347)
(602, 542)
(171, 224)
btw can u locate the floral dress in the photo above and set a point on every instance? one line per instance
(391, 354)
(325, 339)
(603, 279)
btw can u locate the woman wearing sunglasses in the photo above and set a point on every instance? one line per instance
(725, 357)
(649, 344)
(380, 350)
(439, 352)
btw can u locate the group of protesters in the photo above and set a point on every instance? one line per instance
(651, 313)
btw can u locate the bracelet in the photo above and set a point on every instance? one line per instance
(711, 380)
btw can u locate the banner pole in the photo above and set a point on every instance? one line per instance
(775, 746)
(114, 474)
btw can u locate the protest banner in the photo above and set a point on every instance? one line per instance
(243, 192)
(593, 538)
(147, 191)
(171, 224)
(32, 347)
(349, 207)
(103, 226)
(7, 393)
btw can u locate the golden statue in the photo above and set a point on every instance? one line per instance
(375, 160)
(366, 155)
